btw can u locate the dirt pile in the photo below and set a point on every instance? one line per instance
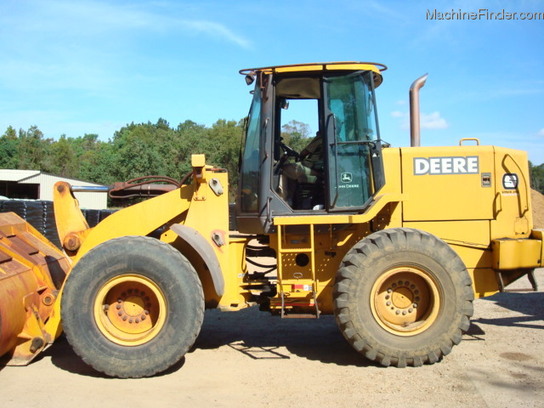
(538, 209)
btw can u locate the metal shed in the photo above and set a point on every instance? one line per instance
(36, 185)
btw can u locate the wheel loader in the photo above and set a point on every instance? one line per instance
(396, 242)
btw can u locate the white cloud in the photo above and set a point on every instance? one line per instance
(377, 8)
(404, 119)
(215, 30)
(540, 132)
(93, 20)
(94, 46)
(433, 121)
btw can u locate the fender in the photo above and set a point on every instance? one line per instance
(193, 238)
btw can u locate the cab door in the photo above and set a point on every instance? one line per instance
(354, 163)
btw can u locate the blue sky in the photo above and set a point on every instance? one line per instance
(75, 67)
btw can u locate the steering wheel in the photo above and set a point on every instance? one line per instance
(290, 151)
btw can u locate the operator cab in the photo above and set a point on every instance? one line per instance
(285, 170)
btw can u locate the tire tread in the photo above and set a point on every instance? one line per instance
(368, 251)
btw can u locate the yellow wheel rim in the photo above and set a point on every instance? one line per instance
(130, 310)
(405, 301)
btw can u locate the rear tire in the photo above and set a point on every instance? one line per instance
(403, 297)
(132, 307)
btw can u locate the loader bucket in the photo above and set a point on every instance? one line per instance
(32, 271)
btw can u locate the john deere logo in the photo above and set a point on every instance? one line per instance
(446, 165)
(346, 177)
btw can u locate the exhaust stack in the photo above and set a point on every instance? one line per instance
(415, 137)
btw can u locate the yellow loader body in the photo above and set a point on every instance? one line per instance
(32, 271)
(396, 242)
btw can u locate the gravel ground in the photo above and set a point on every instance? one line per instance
(250, 358)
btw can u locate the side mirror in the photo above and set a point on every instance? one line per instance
(250, 79)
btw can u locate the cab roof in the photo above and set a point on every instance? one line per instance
(375, 67)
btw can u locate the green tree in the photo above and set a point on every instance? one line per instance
(223, 150)
(136, 150)
(537, 177)
(295, 134)
(32, 149)
(62, 159)
(97, 165)
(142, 149)
(8, 149)
(190, 138)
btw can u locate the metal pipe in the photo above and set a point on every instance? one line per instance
(89, 189)
(415, 137)
(117, 189)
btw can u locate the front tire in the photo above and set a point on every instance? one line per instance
(403, 297)
(132, 307)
